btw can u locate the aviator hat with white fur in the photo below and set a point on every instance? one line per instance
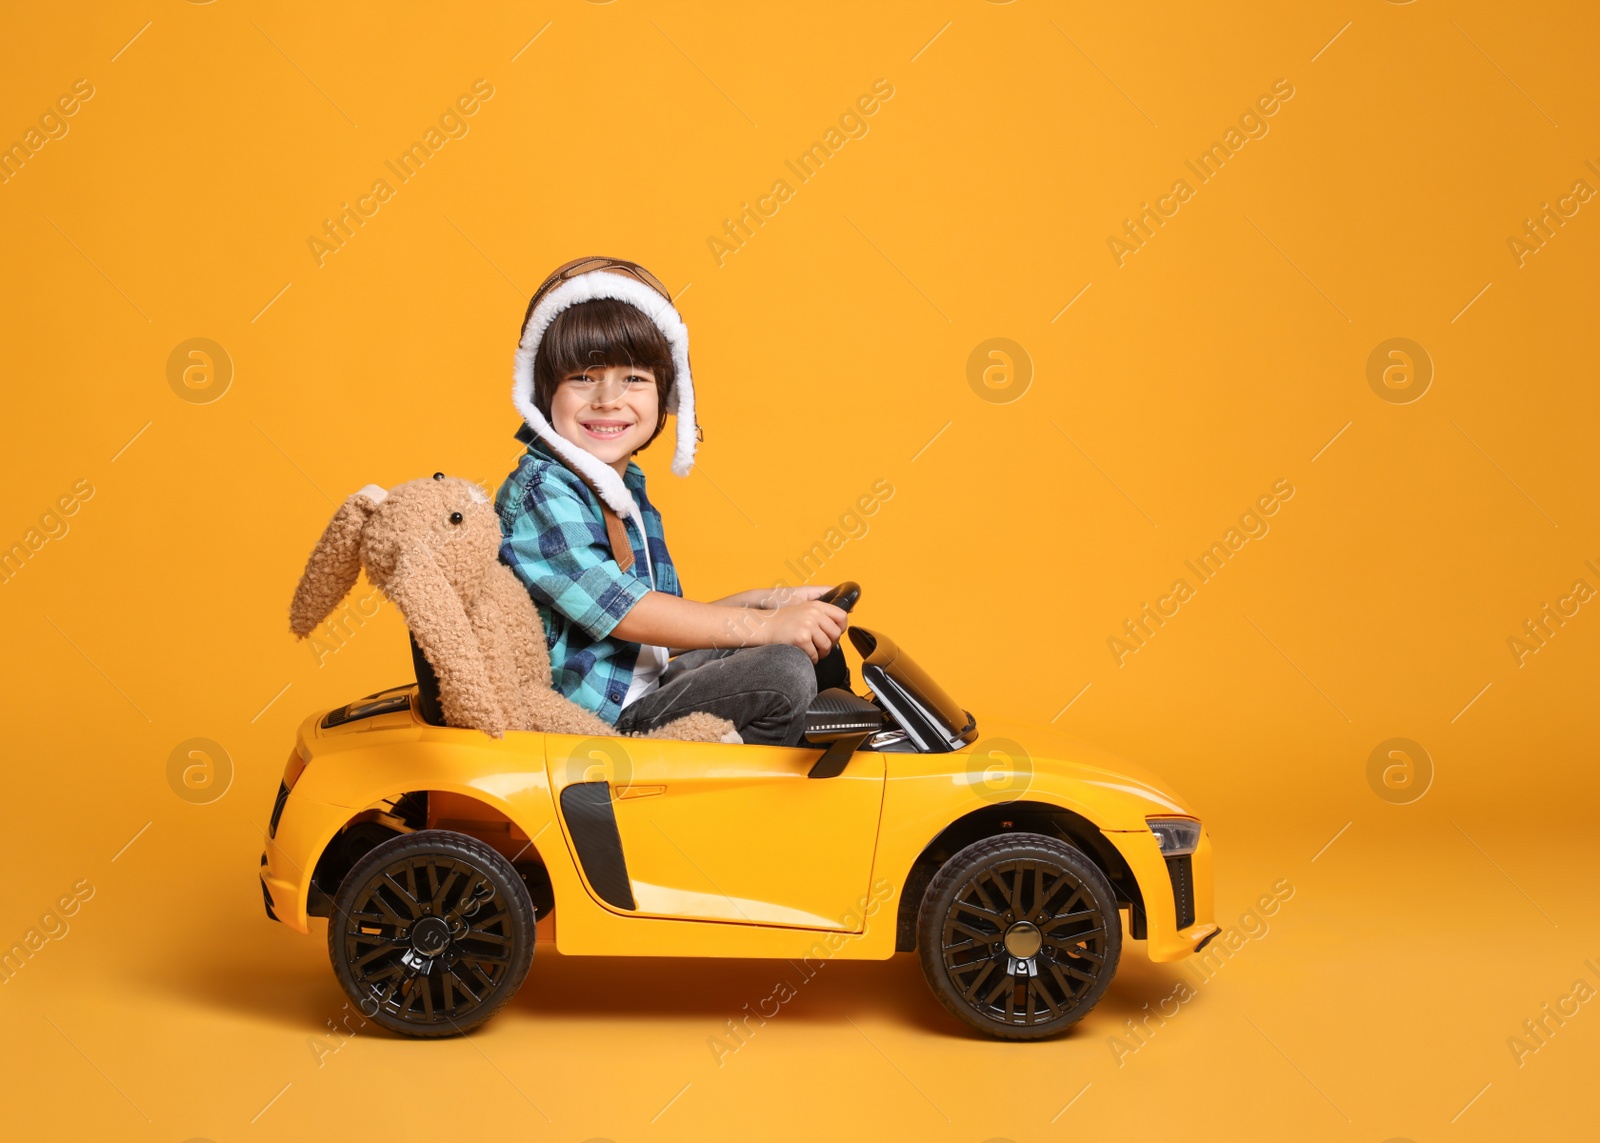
(584, 280)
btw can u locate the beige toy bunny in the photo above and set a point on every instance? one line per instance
(431, 546)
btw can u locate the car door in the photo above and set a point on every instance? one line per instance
(719, 832)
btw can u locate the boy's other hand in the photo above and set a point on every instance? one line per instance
(813, 627)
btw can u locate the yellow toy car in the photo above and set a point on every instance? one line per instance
(433, 851)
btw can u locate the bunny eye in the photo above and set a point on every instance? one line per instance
(438, 476)
(455, 517)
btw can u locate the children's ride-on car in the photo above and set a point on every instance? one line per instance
(433, 851)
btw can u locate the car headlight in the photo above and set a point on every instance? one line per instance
(1176, 836)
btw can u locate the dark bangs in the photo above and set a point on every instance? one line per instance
(602, 331)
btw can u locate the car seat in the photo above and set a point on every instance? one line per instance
(428, 704)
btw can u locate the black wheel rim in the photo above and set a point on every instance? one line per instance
(1041, 907)
(428, 939)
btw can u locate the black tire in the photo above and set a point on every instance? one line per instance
(431, 933)
(1019, 893)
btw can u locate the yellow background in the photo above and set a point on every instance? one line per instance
(831, 351)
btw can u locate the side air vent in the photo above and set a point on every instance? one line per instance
(1182, 875)
(593, 825)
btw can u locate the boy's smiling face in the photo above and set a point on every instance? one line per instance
(607, 410)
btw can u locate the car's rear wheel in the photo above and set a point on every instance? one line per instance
(431, 933)
(1019, 935)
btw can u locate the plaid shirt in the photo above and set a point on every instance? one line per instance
(554, 539)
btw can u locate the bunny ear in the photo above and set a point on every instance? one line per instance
(438, 620)
(334, 564)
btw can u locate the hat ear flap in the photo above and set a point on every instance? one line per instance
(334, 564)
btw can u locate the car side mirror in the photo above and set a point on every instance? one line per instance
(836, 713)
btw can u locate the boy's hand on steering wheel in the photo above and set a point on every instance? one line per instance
(812, 626)
(786, 596)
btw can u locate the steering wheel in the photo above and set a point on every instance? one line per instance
(843, 595)
(832, 671)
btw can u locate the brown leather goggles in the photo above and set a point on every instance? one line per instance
(588, 265)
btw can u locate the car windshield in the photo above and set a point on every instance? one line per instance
(919, 703)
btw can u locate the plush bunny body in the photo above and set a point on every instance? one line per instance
(431, 546)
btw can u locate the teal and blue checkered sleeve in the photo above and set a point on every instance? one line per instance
(556, 545)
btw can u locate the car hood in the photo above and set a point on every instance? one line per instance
(1051, 751)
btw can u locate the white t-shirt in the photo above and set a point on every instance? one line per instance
(652, 659)
(646, 672)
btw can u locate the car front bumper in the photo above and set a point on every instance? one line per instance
(1177, 894)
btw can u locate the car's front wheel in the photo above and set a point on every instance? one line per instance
(431, 933)
(1019, 935)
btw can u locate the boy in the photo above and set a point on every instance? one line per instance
(603, 358)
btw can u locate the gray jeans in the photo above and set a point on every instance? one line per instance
(763, 691)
